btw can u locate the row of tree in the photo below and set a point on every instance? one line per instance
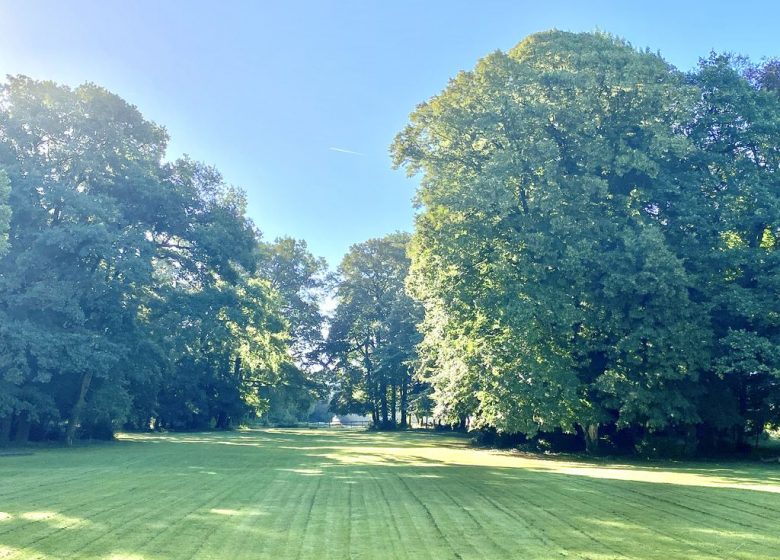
(135, 291)
(596, 248)
(595, 259)
(373, 334)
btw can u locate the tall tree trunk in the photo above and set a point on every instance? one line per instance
(372, 386)
(591, 432)
(393, 406)
(223, 421)
(383, 402)
(237, 368)
(404, 390)
(22, 432)
(743, 408)
(78, 408)
(5, 428)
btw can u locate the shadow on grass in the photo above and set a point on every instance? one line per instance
(501, 511)
(297, 438)
(749, 477)
(432, 449)
(276, 489)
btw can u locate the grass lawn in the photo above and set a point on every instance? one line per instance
(318, 494)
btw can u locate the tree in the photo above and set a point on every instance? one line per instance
(735, 127)
(218, 326)
(553, 299)
(230, 342)
(67, 285)
(105, 240)
(302, 282)
(373, 334)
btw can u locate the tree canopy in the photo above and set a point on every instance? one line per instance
(596, 236)
(130, 290)
(373, 333)
(595, 257)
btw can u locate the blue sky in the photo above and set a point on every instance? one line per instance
(297, 102)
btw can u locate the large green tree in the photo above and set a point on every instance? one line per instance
(733, 250)
(553, 297)
(373, 334)
(217, 327)
(225, 344)
(76, 254)
(302, 282)
(105, 240)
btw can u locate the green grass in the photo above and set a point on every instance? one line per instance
(301, 494)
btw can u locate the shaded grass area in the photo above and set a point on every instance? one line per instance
(318, 494)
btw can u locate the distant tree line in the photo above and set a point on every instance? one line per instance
(596, 246)
(373, 336)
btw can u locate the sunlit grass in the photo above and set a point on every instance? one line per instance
(320, 494)
(441, 457)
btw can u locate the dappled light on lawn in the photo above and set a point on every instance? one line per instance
(54, 519)
(235, 512)
(421, 451)
(433, 457)
(331, 494)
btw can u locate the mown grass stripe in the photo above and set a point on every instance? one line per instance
(323, 495)
(626, 507)
(514, 511)
(437, 530)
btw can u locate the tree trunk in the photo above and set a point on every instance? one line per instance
(78, 408)
(393, 407)
(5, 428)
(404, 389)
(223, 421)
(22, 428)
(743, 408)
(237, 368)
(591, 432)
(383, 401)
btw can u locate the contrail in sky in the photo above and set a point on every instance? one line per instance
(344, 151)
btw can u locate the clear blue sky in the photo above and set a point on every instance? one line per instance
(267, 91)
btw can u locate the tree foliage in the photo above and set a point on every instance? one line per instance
(373, 333)
(595, 253)
(596, 234)
(130, 290)
(302, 282)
